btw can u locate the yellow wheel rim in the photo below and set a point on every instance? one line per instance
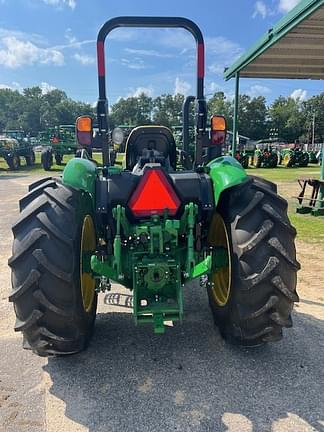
(221, 277)
(88, 246)
(255, 160)
(286, 159)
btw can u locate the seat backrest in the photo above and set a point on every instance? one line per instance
(158, 138)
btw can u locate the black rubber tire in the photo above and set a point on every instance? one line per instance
(264, 266)
(304, 160)
(245, 161)
(273, 162)
(58, 159)
(46, 270)
(47, 159)
(258, 161)
(13, 162)
(30, 159)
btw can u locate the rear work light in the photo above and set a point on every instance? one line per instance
(153, 195)
(218, 130)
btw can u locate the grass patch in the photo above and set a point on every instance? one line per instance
(309, 228)
(283, 174)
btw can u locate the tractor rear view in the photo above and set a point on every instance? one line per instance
(152, 227)
(15, 145)
(57, 142)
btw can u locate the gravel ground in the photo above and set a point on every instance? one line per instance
(186, 380)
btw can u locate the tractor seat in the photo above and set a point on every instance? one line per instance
(155, 141)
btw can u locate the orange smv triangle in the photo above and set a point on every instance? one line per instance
(153, 195)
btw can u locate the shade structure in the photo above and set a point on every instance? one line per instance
(292, 49)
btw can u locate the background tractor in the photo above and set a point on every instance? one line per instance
(294, 156)
(152, 227)
(264, 156)
(57, 142)
(14, 145)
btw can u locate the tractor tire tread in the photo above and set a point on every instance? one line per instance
(264, 267)
(46, 292)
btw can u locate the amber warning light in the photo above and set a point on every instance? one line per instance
(84, 130)
(218, 130)
(154, 195)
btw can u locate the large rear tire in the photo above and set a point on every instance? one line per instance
(304, 160)
(54, 312)
(47, 159)
(30, 158)
(255, 293)
(13, 162)
(58, 159)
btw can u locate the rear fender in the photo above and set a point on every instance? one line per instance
(225, 172)
(81, 174)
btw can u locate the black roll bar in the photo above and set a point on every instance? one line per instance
(159, 22)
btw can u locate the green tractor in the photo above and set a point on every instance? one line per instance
(294, 156)
(13, 146)
(264, 157)
(245, 157)
(57, 142)
(152, 228)
(312, 157)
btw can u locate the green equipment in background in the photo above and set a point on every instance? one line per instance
(14, 145)
(294, 157)
(264, 157)
(152, 226)
(311, 197)
(57, 142)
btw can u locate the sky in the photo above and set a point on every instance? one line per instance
(51, 43)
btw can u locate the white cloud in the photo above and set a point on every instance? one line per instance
(216, 69)
(32, 37)
(214, 87)
(148, 91)
(13, 86)
(84, 59)
(261, 9)
(69, 36)
(299, 94)
(287, 5)
(225, 50)
(70, 3)
(46, 88)
(151, 53)
(136, 63)
(15, 53)
(258, 90)
(123, 35)
(182, 87)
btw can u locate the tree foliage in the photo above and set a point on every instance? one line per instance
(33, 111)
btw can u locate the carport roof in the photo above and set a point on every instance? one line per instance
(293, 48)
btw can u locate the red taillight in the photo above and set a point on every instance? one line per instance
(153, 195)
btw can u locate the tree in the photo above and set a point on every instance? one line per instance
(11, 108)
(219, 105)
(288, 117)
(132, 111)
(253, 117)
(314, 107)
(168, 109)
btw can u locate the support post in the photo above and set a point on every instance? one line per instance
(235, 117)
(321, 191)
